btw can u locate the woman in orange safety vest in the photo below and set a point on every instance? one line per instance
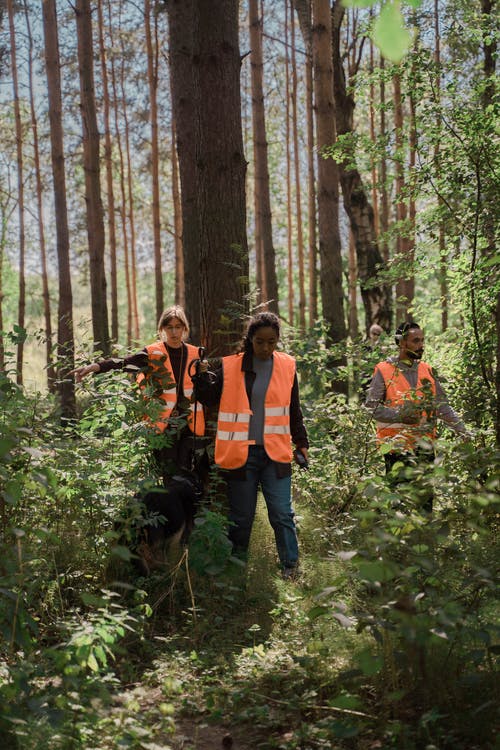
(162, 369)
(259, 417)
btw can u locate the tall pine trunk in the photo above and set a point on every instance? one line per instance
(108, 162)
(298, 188)
(289, 216)
(91, 166)
(65, 338)
(328, 179)
(21, 308)
(403, 245)
(152, 52)
(49, 363)
(375, 296)
(263, 217)
(122, 206)
(205, 69)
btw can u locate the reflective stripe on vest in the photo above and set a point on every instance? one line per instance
(397, 390)
(232, 441)
(161, 373)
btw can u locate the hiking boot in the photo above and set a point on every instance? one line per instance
(290, 574)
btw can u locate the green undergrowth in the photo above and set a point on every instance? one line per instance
(386, 639)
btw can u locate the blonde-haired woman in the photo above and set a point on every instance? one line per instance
(164, 370)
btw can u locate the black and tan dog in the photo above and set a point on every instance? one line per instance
(166, 519)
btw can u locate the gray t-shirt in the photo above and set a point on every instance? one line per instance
(375, 400)
(263, 369)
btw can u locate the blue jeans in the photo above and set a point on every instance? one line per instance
(242, 496)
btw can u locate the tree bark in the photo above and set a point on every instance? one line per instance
(181, 20)
(21, 307)
(402, 242)
(122, 207)
(65, 339)
(376, 297)
(205, 69)
(298, 191)
(328, 179)
(152, 52)
(108, 161)
(49, 363)
(303, 10)
(263, 217)
(91, 166)
(289, 217)
(180, 296)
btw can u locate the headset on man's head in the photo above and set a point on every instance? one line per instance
(402, 330)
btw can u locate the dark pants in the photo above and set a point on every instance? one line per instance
(242, 495)
(413, 464)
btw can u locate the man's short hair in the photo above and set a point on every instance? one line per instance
(403, 329)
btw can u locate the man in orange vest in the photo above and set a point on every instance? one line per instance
(406, 399)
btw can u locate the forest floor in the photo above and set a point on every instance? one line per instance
(196, 666)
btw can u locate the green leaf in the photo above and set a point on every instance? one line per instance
(317, 612)
(390, 34)
(345, 700)
(92, 663)
(370, 664)
(377, 571)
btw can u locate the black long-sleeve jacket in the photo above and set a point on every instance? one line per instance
(208, 390)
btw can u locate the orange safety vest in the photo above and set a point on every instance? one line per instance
(397, 392)
(162, 376)
(231, 443)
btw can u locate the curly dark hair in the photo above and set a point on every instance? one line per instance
(260, 320)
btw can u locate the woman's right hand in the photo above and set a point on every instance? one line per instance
(84, 370)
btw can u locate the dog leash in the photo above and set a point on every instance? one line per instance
(196, 363)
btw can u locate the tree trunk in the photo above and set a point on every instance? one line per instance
(108, 161)
(402, 242)
(353, 287)
(181, 19)
(49, 363)
(443, 255)
(152, 51)
(205, 69)
(65, 340)
(123, 198)
(91, 166)
(376, 298)
(180, 296)
(298, 198)
(21, 309)
(131, 207)
(303, 10)
(376, 221)
(263, 217)
(289, 217)
(384, 200)
(328, 182)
